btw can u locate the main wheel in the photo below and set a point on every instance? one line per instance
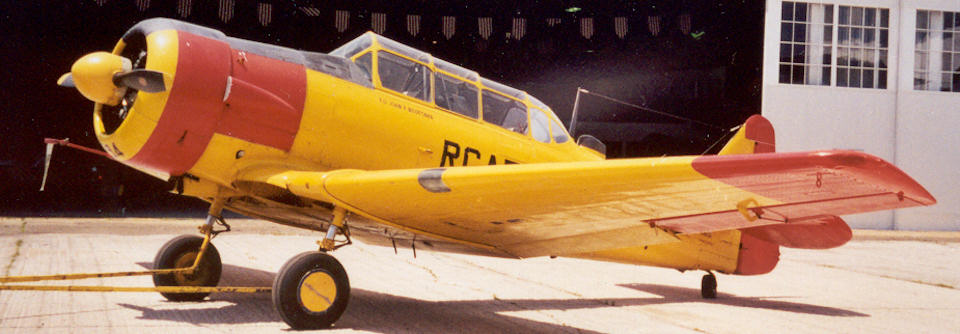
(181, 252)
(311, 291)
(708, 286)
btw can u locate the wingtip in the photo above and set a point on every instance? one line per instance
(885, 172)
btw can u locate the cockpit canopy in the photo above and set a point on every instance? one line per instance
(416, 74)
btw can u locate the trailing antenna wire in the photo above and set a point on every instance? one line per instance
(576, 106)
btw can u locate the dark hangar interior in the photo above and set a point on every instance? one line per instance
(697, 59)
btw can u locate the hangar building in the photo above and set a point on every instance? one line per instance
(880, 76)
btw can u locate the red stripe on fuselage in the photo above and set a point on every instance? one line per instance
(264, 106)
(193, 107)
(266, 99)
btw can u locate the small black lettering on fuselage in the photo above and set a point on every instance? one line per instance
(454, 156)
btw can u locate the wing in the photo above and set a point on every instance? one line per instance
(570, 208)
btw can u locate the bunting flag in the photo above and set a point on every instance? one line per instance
(485, 26)
(586, 27)
(620, 26)
(265, 13)
(685, 23)
(653, 22)
(519, 28)
(184, 7)
(413, 24)
(449, 26)
(342, 20)
(310, 11)
(226, 10)
(378, 21)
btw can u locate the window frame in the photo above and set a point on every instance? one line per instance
(932, 54)
(880, 49)
(839, 67)
(554, 121)
(534, 110)
(806, 45)
(359, 55)
(372, 44)
(526, 109)
(476, 108)
(428, 82)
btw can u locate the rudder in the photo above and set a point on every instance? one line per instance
(756, 135)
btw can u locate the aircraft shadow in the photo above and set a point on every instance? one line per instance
(672, 294)
(385, 313)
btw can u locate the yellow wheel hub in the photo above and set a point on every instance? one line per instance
(318, 290)
(186, 278)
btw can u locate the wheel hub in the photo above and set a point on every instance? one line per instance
(192, 278)
(317, 291)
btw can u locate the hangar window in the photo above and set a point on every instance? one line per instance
(853, 44)
(862, 47)
(937, 52)
(403, 75)
(806, 43)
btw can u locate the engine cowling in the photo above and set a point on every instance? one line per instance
(216, 88)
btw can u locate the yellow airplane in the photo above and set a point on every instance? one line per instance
(384, 143)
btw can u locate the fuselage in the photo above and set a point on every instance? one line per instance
(233, 108)
(234, 104)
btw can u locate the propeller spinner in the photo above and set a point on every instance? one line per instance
(103, 77)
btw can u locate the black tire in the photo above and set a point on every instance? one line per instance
(298, 273)
(181, 252)
(708, 286)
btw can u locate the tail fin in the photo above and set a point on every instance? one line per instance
(757, 255)
(755, 136)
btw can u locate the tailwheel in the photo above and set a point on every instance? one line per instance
(311, 291)
(181, 252)
(708, 286)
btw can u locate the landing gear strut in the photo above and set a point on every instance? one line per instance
(181, 252)
(194, 252)
(310, 291)
(708, 286)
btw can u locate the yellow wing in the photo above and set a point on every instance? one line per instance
(577, 207)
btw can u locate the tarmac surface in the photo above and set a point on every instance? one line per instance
(890, 282)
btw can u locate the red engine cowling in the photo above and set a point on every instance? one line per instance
(220, 85)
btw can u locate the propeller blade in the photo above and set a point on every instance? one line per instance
(142, 80)
(66, 80)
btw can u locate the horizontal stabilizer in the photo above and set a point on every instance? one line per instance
(816, 233)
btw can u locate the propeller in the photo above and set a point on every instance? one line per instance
(143, 80)
(140, 79)
(66, 80)
(104, 77)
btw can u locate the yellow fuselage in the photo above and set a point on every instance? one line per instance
(236, 108)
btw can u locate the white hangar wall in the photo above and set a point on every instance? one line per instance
(868, 75)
